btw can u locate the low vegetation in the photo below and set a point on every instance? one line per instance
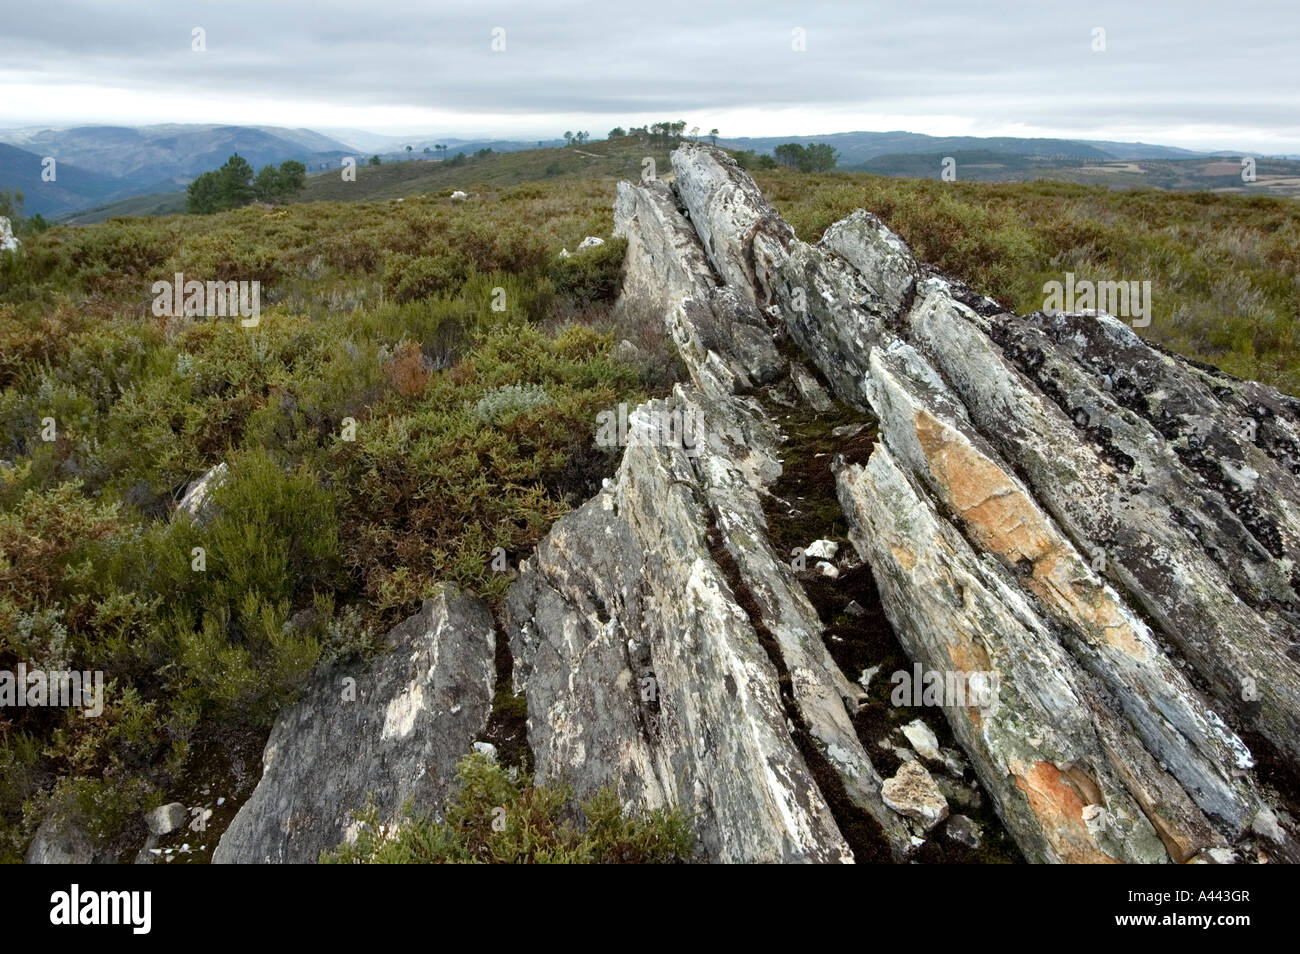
(493, 818)
(421, 388)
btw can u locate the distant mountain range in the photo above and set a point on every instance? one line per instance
(855, 148)
(97, 165)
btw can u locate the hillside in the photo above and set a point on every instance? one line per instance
(150, 155)
(1220, 299)
(226, 519)
(607, 160)
(98, 162)
(1218, 174)
(73, 187)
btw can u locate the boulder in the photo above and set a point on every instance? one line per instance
(391, 731)
(165, 819)
(912, 792)
(62, 840)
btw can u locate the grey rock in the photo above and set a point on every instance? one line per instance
(165, 819)
(392, 731)
(61, 840)
(628, 352)
(197, 501)
(912, 792)
(644, 674)
(923, 740)
(8, 243)
(822, 549)
(962, 829)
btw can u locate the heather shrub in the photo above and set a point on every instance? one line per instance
(494, 818)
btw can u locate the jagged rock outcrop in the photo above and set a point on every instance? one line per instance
(1040, 512)
(1041, 503)
(1090, 541)
(391, 731)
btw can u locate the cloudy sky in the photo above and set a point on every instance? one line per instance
(1181, 72)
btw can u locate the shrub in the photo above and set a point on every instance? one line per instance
(509, 401)
(494, 819)
(594, 274)
(408, 370)
(410, 278)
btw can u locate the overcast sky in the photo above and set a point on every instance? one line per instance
(1220, 74)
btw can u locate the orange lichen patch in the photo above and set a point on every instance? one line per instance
(1088, 790)
(1001, 518)
(904, 558)
(966, 655)
(1059, 809)
(998, 512)
(1179, 843)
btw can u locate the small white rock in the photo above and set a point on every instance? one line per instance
(923, 740)
(165, 819)
(822, 549)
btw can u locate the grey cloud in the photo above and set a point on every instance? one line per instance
(1167, 64)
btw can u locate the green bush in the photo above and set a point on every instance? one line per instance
(494, 819)
(409, 278)
(593, 274)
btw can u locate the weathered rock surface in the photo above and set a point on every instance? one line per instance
(392, 731)
(8, 243)
(1108, 528)
(912, 792)
(165, 819)
(962, 829)
(62, 841)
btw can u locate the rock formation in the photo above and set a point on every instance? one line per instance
(391, 732)
(8, 243)
(1089, 540)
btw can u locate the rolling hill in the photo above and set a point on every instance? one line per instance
(606, 159)
(72, 188)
